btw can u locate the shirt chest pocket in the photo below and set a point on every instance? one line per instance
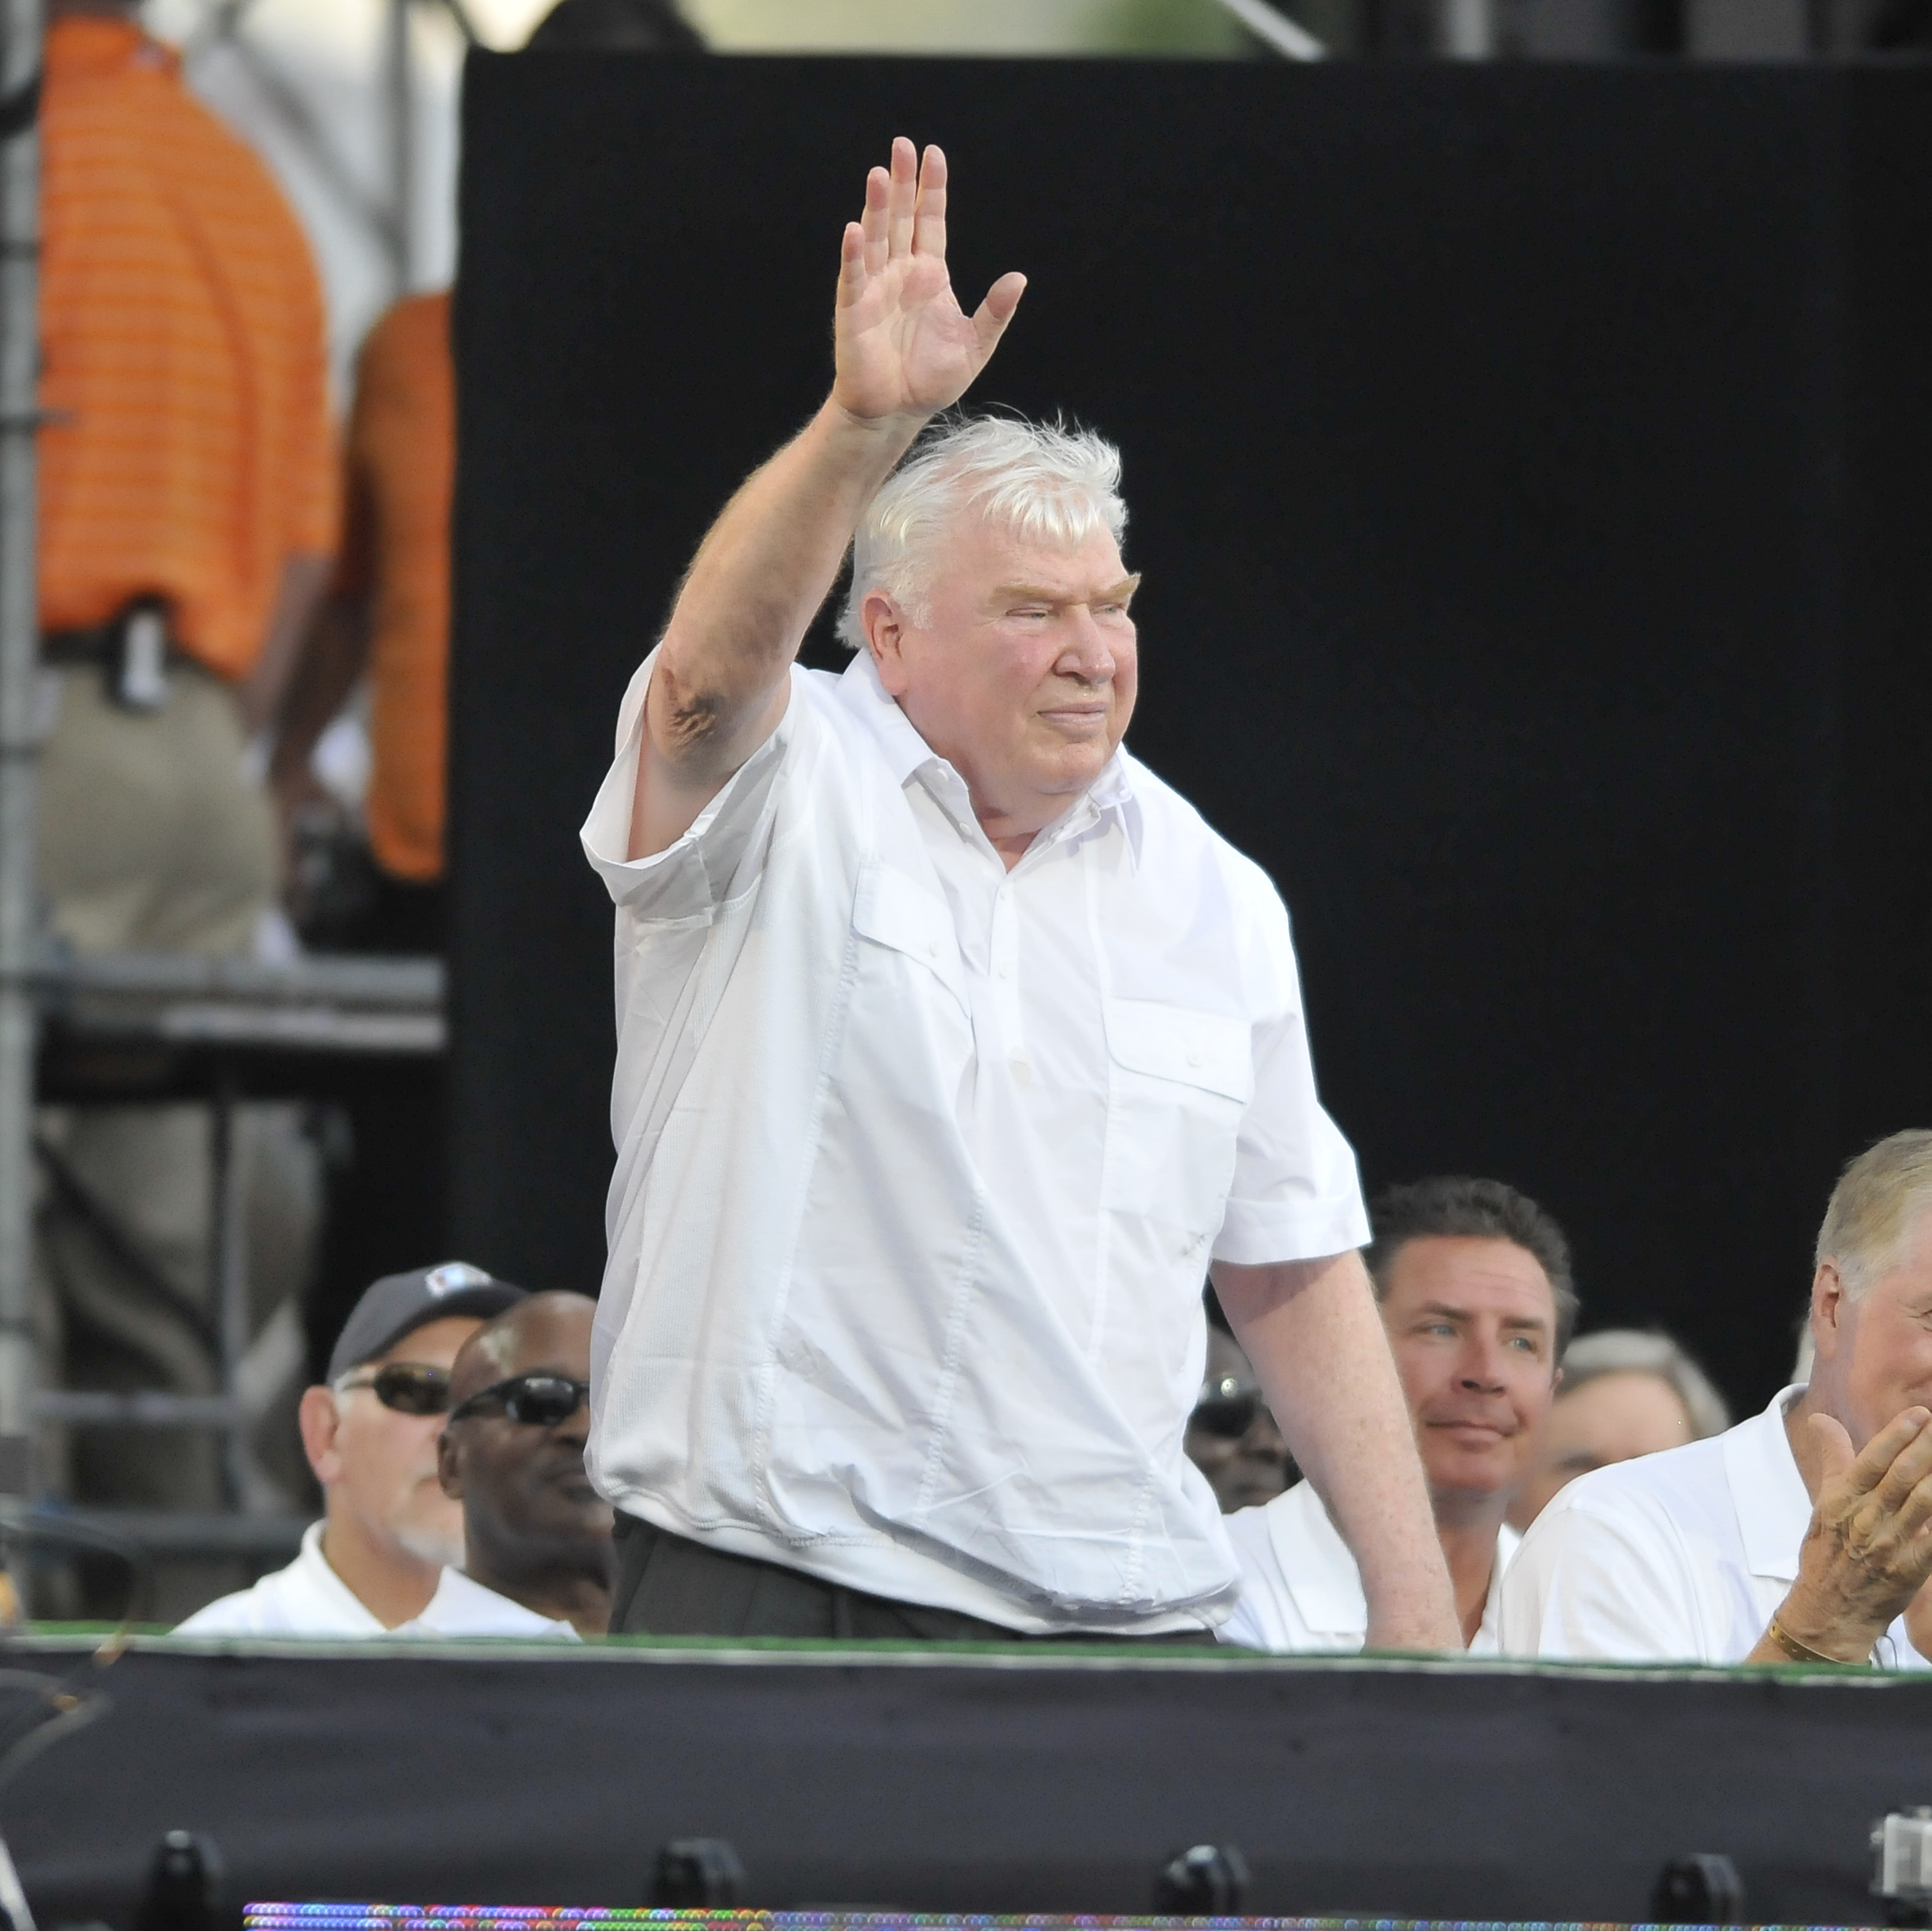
(911, 1029)
(1181, 1081)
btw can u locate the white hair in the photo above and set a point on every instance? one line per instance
(1044, 482)
(1632, 1351)
(1874, 1210)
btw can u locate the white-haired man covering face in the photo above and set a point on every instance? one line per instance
(952, 1046)
(1803, 1536)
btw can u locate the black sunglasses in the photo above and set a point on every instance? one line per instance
(409, 1387)
(537, 1400)
(1227, 1409)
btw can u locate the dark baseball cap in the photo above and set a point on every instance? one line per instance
(398, 1304)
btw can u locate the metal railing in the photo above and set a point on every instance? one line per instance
(122, 1027)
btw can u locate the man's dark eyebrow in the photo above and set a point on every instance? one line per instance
(1444, 1308)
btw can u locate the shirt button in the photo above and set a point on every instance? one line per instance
(1194, 1059)
(932, 949)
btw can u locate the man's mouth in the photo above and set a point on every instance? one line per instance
(1475, 1430)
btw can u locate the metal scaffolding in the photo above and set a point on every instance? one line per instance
(386, 216)
(107, 1029)
(19, 722)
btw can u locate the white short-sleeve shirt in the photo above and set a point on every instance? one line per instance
(1300, 1590)
(307, 1598)
(462, 1606)
(920, 1161)
(1681, 1557)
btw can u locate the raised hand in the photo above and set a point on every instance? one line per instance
(1869, 1551)
(903, 344)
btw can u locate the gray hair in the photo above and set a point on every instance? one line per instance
(1045, 482)
(1873, 1207)
(1631, 1351)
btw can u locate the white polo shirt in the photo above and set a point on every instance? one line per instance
(1300, 1588)
(307, 1598)
(1678, 1557)
(919, 1163)
(463, 1608)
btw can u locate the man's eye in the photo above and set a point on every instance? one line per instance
(1524, 1342)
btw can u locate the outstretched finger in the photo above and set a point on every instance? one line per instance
(1865, 1472)
(1910, 1518)
(1909, 1467)
(905, 193)
(990, 319)
(1834, 1448)
(879, 195)
(851, 264)
(929, 213)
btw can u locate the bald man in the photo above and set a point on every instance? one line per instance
(537, 1536)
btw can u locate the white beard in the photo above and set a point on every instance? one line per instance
(432, 1545)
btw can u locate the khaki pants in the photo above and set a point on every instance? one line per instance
(151, 839)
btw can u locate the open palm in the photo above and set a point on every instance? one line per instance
(904, 346)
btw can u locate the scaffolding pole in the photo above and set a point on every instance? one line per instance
(401, 131)
(21, 723)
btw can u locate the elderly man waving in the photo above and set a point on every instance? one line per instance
(952, 1046)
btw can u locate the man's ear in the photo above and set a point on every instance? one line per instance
(1830, 1304)
(449, 1468)
(319, 1419)
(884, 627)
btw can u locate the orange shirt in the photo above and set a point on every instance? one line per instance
(396, 550)
(183, 350)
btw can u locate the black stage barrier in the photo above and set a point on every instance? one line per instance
(1529, 467)
(969, 1783)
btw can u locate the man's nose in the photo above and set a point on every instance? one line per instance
(1483, 1370)
(1088, 654)
(1264, 1436)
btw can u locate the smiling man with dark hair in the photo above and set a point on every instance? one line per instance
(1472, 1279)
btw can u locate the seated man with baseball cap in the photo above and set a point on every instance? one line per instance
(373, 1561)
(537, 1536)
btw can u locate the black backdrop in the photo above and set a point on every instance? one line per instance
(1529, 469)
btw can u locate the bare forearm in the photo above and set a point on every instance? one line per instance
(1311, 1330)
(903, 350)
(760, 576)
(333, 658)
(304, 580)
(718, 689)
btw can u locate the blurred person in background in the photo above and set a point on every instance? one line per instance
(537, 1536)
(1799, 1536)
(1624, 1393)
(385, 626)
(1232, 1436)
(1474, 1282)
(373, 1561)
(187, 505)
(615, 26)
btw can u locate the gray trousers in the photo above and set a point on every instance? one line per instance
(669, 1585)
